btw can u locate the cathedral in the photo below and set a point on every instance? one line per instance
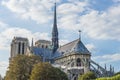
(73, 58)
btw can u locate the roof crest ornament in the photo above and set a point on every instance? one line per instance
(32, 43)
(79, 34)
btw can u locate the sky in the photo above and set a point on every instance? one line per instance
(99, 21)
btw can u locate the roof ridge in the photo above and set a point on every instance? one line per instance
(43, 40)
(75, 44)
(69, 42)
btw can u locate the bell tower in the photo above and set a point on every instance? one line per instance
(19, 46)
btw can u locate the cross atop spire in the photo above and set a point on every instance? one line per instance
(105, 67)
(32, 43)
(79, 34)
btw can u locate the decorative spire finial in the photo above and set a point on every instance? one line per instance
(32, 43)
(105, 67)
(113, 69)
(110, 67)
(79, 34)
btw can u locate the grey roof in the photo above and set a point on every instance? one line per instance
(43, 52)
(75, 46)
(79, 47)
(67, 47)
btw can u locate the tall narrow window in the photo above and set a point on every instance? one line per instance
(78, 62)
(19, 45)
(23, 46)
(46, 46)
(42, 46)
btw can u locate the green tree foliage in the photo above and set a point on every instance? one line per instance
(117, 73)
(20, 67)
(116, 77)
(45, 71)
(60, 74)
(87, 76)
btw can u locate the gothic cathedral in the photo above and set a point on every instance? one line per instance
(73, 58)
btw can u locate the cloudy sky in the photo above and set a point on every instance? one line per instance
(99, 21)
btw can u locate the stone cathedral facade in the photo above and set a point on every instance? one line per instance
(73, 57)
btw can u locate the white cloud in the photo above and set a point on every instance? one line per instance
(116, 0)
(91, 47)
(103, 25)
(69, 22)
(69, 14)
(4, 64)
(39, 35)
(95, 24)
(2, 26)
(72, 15)
(7, 33)
(37, 10)
(71, 8)
(107, 58)
(3, 67)
(62, 42)
(40, 10)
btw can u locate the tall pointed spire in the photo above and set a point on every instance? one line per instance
(32, 43)
(55, 42)
(79, 34)
(105, 67)
(55, 17)
(110, 68)
(113, 69)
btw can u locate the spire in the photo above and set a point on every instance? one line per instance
(55, 43)
(105, 67)
(110, 67)
(79, 35)
(55, 30)
(113, 69)
(55, 16)
(32, 43)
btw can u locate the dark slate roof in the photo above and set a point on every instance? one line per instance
(79, 47)
(75, 46)
(43, 52)
(67, 47)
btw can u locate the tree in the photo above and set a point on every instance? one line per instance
(116, 77)
(117, 73)
(60, 74)
(45, 71)
(87, 76)
(20, 67)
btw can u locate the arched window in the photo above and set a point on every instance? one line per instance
(72, 64)
(46, 46)
(19, 47)
(78, 62)
(23, 46)
(42, 46)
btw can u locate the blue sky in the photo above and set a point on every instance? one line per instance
(99, 21)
